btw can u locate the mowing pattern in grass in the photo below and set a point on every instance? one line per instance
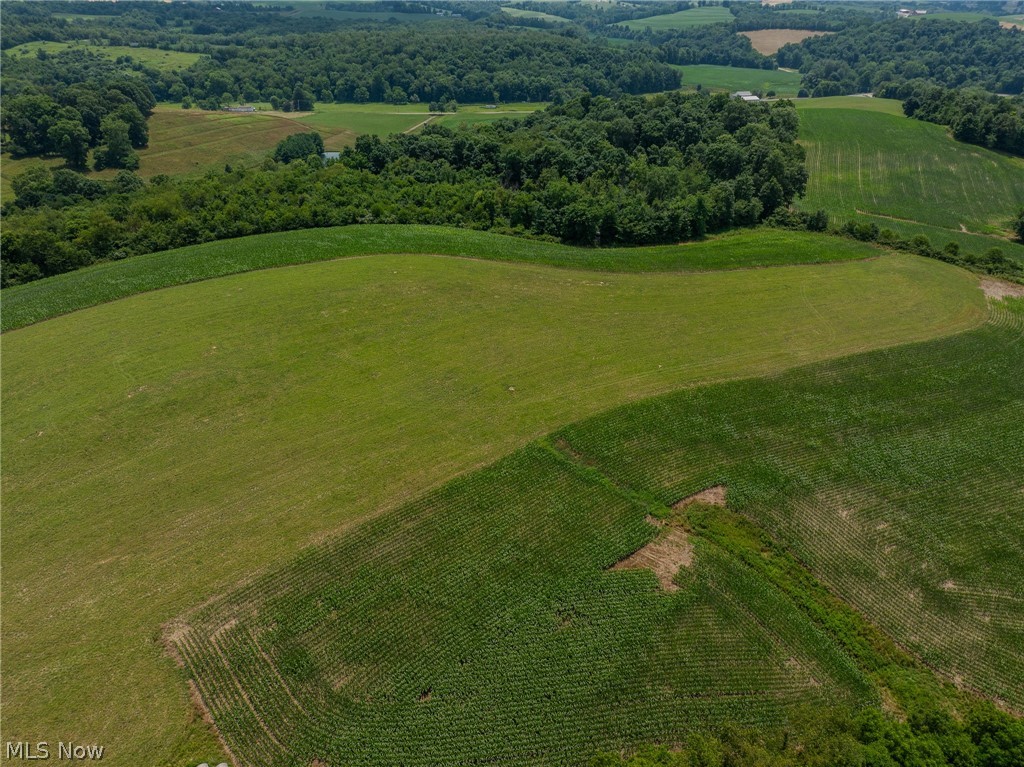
(185, 141)
(37, 301)
(478, 625)
(714, 77)
(167, 446)
(694, 17)
(866, 162)
(896, 476)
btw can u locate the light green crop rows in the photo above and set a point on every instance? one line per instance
(906, 173)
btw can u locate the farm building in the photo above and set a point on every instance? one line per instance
(745, 96)
(242, 108)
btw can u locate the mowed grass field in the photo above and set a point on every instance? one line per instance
(719, 78)
(161, 449)
(44, 299)
(907, 174)
(153, 57)
(694, 17)
(525, 14)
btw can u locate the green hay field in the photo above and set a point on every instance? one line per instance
(524, 14)
(716, 78)
(694, 17)
(153, 57)
(43, 299)
(161, 449)
(907, 174)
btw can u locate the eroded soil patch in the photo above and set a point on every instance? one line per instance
(664, 556)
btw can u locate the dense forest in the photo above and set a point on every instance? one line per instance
(867, 57)
(591, 171)
(466, 63)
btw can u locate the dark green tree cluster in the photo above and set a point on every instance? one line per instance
(974, 116)
(396, 64)
(299, 146)
(866, 57)
(591, 171)
(43, 115)
(930, 736)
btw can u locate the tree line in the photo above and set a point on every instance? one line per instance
(973, 115)
(867, 57)
(591, 171)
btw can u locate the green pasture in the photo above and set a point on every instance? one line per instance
(866, 163)
(694, 17)
(522, 13)
(718, 78)
(43, 299)
(153, 57)
(161, 449)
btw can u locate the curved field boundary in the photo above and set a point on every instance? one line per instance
(27, 304)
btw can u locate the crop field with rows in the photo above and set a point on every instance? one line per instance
(478, 625)
(209, 431)
(896, 476)
(694, 17)
(903, 173)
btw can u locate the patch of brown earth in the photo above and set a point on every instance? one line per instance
(664, 556)
(1000, 289)
(711, 496)
(768, 41)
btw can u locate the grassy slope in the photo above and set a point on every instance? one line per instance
(714, 77)
(207, 431)
(892, 167)
(524, 14)
(64, 293)
(694, 17)
(154, 57)
(895, 476)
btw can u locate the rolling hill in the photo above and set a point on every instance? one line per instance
(170, 445)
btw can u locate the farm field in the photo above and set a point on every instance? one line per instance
(153, 57)
(714, 77)
(525, 14)
(768, 41)
(863, 468)
(866, 162)
(496, 581)
(694, 17)
(43, 299)
(229, 439)
(195, 140)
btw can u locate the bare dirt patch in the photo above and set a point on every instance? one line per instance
(664, 556)
(768, 41)
(1000, 289)
(710, 496)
